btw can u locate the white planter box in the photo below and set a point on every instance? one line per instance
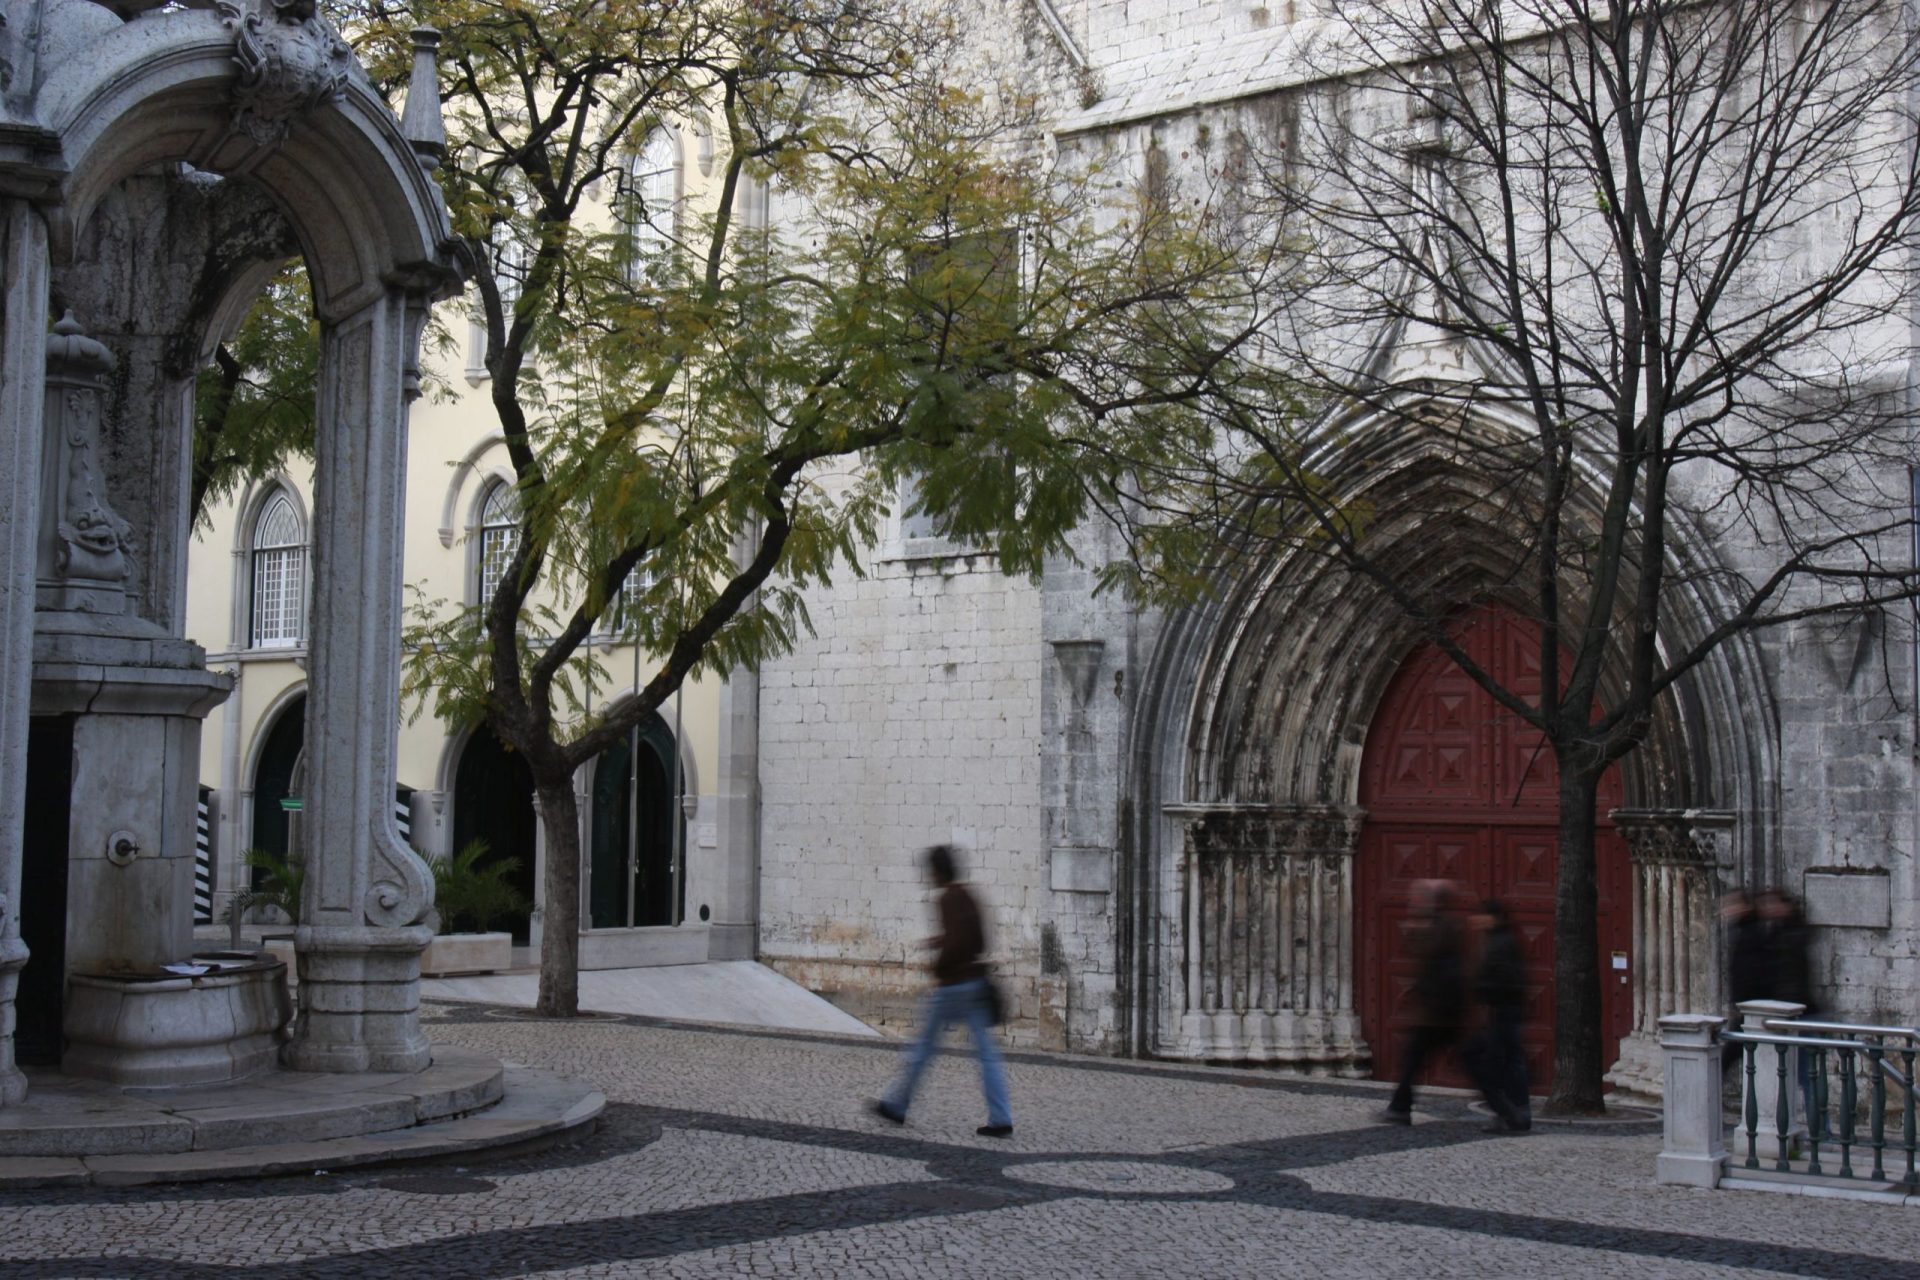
(452, 953)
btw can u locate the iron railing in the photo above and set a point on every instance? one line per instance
(1863, 1058)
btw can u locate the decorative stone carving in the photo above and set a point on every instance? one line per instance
(1679, 837)
(291, 62)
(84, 544)
(402, 890)
(422, 123)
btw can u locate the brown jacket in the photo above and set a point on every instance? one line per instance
(963, 938)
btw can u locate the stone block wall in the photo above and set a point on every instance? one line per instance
(911, 718)
(1848, 809)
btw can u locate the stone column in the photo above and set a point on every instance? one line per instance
(1269, 944)
(735, 931)
(368, 897)
(1674, 966)
(23, 364)
(1694, 1153)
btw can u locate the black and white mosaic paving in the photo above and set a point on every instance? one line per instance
(728, 1152)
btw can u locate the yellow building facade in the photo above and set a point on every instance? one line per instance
(648, 811)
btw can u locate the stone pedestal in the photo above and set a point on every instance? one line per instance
(1675, 964)
(137, 700)
(1765, 1084)
(13, 958)
(1694, 1152)
(360, 1000)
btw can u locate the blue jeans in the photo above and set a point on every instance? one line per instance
(961, 1002)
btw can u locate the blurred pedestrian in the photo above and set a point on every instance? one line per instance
(1790, 978)
(1747, 960)
(962, 992)
(1495, 1056)
(1789, 974)
(1439, 993)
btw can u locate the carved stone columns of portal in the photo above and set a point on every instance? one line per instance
(23, 367)
(1677, 856)
(1269, 936)
(367, 895)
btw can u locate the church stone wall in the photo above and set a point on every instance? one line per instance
(911, 718)
(1848, 811)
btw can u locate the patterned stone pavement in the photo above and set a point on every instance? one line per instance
(735, 1152)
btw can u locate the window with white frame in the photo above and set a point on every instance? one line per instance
(914, 524)
(510, 263)
(279, 575)
(499, 537)
(639, 580)
(654, 186)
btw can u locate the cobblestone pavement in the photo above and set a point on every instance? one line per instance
(736, 1152)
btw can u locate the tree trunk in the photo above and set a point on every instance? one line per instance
(560, 919)
(1579, 1038)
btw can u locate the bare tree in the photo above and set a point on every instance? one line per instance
(1614, 267)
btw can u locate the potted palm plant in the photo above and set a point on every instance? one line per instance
(277, 886)
(472, 892)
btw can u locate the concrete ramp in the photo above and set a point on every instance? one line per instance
(732, 991)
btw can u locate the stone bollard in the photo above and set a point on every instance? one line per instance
(1766, 1083)
(1694, 1152)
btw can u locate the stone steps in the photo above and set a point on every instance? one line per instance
(463, 1104)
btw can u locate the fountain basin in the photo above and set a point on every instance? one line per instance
(152, 1029)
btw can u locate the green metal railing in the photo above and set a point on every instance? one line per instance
(1860, 1056)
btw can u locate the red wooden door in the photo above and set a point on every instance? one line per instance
(1456, 787)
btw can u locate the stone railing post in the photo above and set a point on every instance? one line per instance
(1766, 1081)
(1694, 1152)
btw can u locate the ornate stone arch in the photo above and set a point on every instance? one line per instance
(1253, 711)
(263, 93)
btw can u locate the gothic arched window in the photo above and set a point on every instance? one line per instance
(279, 575)
(499, 537)
(654, 184)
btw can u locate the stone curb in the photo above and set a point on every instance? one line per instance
(537, 1105)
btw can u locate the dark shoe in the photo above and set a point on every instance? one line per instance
(887, 1111)
(1387, 1115)
(995, 1131)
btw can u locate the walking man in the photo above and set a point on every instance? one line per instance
(1439, 993)
(961, 993)
(1495, 1056)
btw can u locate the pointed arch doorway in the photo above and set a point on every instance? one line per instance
(1456, 787)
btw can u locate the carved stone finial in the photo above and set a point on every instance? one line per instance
(291, 62)
(422, 124)
(72, 351)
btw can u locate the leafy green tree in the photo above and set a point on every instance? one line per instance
(728, 403)
(254, 407)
